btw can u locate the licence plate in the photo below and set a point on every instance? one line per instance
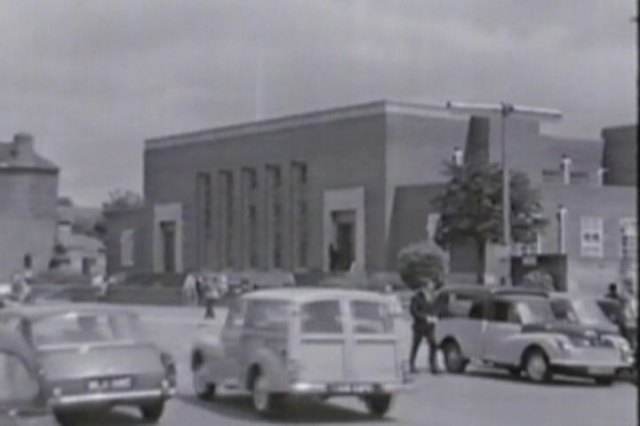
(600, 370)
(110, 384)
(351, 388)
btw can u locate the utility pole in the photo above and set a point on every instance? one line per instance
(505, 110)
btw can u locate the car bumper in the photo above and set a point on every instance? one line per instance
(339, 389)
(589, 368)
(130, 397)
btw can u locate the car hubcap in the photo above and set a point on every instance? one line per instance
(537, 367)
(260, 395)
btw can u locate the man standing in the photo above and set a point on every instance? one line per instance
(211, 295)
(424, 313)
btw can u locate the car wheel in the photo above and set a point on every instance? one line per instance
(378, 405)
(203, 389)
(537, 366)
(453, 359)
(605, 381)
(152, 412)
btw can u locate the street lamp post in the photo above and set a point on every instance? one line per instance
(505, 110)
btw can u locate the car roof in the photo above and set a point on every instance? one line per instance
(38, 312)
(302, 295)
(496, 291)
(524, 297)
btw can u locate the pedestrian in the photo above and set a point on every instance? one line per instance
(189, 290)
(612, 292)
(424, 313)
(211, 294)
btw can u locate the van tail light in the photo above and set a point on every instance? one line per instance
(169, 367)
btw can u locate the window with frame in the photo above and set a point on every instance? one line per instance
(591, 236)
(322, 317)
(629, 238)
(236, 316)
(477, 311)
(371, 317)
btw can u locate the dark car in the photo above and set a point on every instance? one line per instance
(93, 358)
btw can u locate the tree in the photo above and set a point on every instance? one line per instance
(419, 263)
(471, 209)
(119, 199)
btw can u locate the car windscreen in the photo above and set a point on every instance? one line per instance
(579, 311)
(535, 311)
(84, 328)
(371, 317)
(268, 315)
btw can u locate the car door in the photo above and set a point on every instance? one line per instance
(231, 342)
(501, 327)
(467, 331)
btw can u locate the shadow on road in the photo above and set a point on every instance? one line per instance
(557, 381)
(239, 407)
(108, 418)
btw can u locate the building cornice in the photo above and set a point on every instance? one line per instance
(432, 110)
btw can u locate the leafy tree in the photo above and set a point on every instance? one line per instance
(119, 199)
(471, 208)
(419, 263)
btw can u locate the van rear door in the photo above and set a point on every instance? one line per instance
(322, 350)
(375, 348)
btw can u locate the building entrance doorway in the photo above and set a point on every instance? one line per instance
(342, 250)
(168, 237)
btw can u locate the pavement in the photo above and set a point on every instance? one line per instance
(481, 397)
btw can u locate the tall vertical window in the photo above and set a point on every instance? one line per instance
(591, 235)
(629, 238)
(204, 226)
(299, 214)
(126, 247)
(250, 217)
(226, 217)
(274, 215)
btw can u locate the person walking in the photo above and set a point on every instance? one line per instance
(211, 295)
(424, 313)
(189, 292)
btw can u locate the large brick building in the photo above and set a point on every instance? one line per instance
(329, 188)
(28, 194)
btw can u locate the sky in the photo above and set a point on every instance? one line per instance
(91, 80)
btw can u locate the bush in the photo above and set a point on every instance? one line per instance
(538, 280)
(420, 263)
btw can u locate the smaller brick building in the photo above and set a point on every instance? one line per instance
(28, 216)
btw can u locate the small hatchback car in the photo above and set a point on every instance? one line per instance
(519, 332)
(304, 342)
(93, 358)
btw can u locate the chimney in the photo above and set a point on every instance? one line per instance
(565, 168)
(23, 148)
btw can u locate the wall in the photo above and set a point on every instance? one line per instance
(120, 220)
(27, 218)
(620, 155)
(341, 153)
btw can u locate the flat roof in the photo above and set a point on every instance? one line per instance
(380, 107)
(300, 295)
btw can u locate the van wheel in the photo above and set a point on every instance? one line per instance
(203, 389)
(378, 405)
(264, 401)
(152, 412)
(453, 359)
(65, 418)
(536, 365)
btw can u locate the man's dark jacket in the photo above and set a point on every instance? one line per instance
(420, 309)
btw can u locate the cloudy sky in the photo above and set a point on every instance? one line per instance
(91, 80)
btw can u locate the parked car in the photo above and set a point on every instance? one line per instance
(283, 343)
(21, 385)
(94, 358)
(518, 331)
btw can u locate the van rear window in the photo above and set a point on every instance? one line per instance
(322, 317)
(371, 317)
